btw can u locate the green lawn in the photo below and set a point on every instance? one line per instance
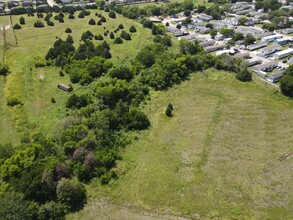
(36, 86)
(216, 157)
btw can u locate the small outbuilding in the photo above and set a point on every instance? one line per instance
(64, 87)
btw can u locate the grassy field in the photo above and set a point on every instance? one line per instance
(36, 86)
(217, 157)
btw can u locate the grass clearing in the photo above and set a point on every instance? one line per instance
(217, 157)
(36, 86)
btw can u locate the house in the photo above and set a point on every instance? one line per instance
(201, 29)
(219, 37)
(64, 87)
(214, 48)
(283, 54)
(261, 69)
(66, 1)
(204, 17)
(287, 31)
(269, 50)
(264, 34)
(244, 55)
(248, 30)
(253, 61)
(275, 77)
(283, 41)
(271, 38)
(244, 12)
(207, 43)
(257, 46)
(155, 20)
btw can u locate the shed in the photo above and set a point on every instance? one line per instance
(64, 87)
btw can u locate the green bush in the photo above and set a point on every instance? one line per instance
(17, 26)
(13, 101)
(132, 29)
(39, 24)
(118, 40)
(92, 22)
(68, 30)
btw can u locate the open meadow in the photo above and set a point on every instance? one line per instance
(35, 87)
(217, 157)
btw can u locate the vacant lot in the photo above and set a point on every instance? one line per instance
(35, 87)
(216, 157)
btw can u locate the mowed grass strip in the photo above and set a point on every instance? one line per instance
(35, 87)
(247, 128)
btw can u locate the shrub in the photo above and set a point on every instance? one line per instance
(99, 37)
(92, 22)
(112, 14)
(68, 30)
(51, 210)
(50, 23)
(244, 75)
(132, 29)
(53, 100)
(71, 193)
(127, 36)
(99, 22)
(71, 16)
(120, 26)
(112, 35)
(169, 110)
(4, 70)
(61, 19)
(17, 26)
(21, 20)
(13, 102)
(81, 14)
(39, 24)
(103, 19)
(118, 40)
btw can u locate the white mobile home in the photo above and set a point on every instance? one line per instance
(214, 48)
(257, 46)
(275, 77)
(269, 50)
(271, 38)
(261, 69)
(283, 54)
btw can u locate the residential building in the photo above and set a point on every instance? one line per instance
(283, 41)
(248, 30)
(214, 47)
(275, 77)
(253, 61)
(287, 31)
(201, 29)
(269, 50)
(204, 17)
(244, 55)
(207, 43)
(264, 34)
(257, 46)
(271, 38)
(261, 69)
(219, 37)
(283, 54)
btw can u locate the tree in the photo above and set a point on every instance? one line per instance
(103, 19)
(169, 110)
(99, 37)
(39, 24)
(238, 36)
(71, 193)
(112, 35)
(13, 206)
(132, 29)
(249, 39)
(187, 47)
(50, 23)
(4, 70)
(286, 83)
(213, 33)
(112, 14)
(92, 22)
(69, 39)
(68, 30)
(16, 26)
(187, 13)
(52, 210)
(227, 32)
(21, 20)
(118, 40)
(242, 20)
(244, 75)
(178, 26)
